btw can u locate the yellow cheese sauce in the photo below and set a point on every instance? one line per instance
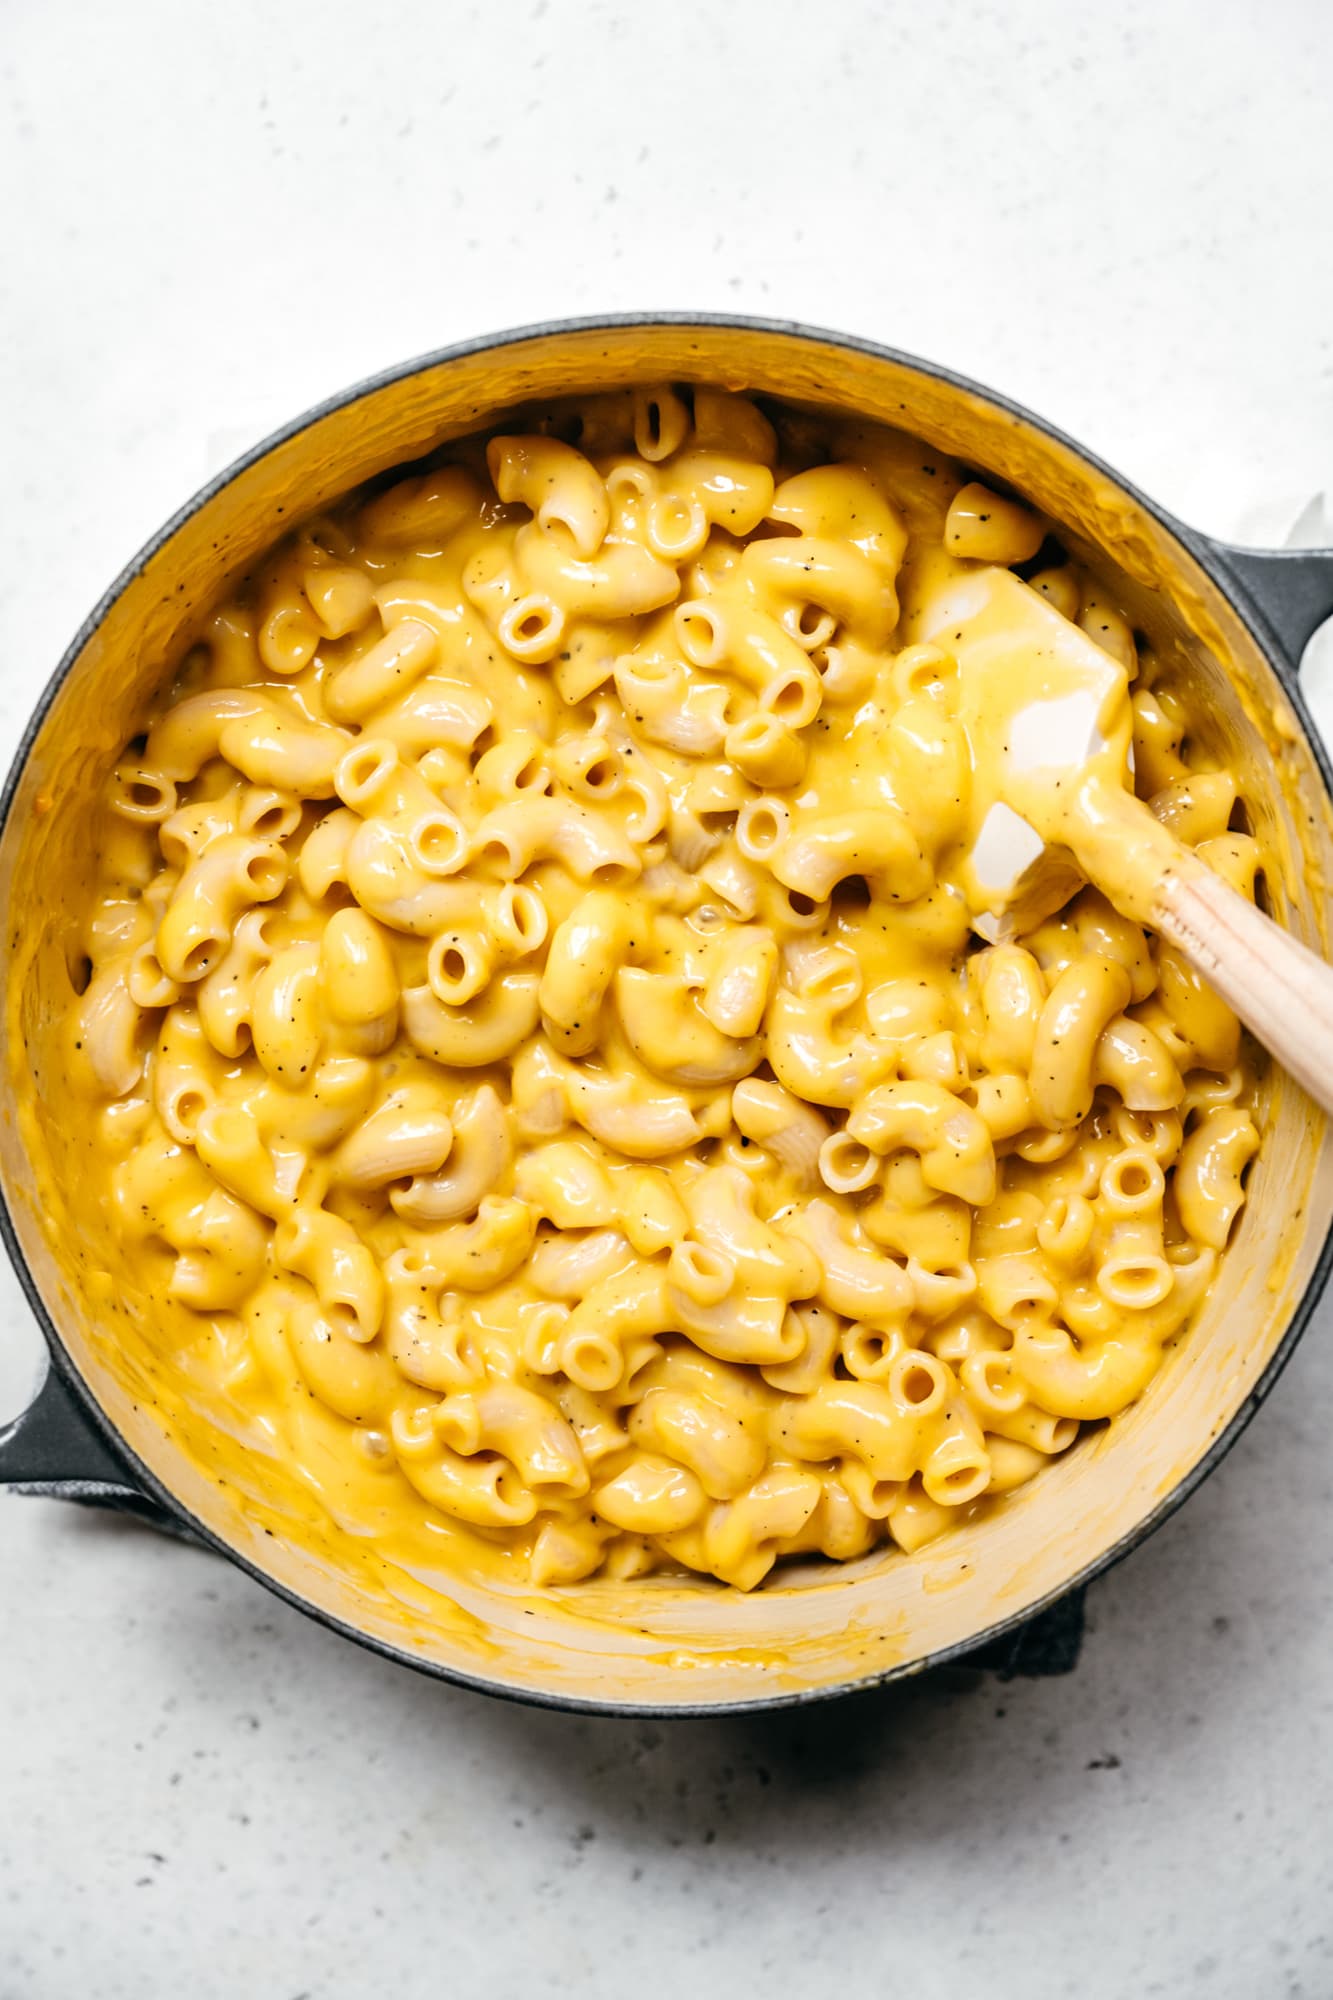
(541, 1073)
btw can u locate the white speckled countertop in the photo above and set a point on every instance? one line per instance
(216, 215)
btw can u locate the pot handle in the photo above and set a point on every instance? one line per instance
(56, 1452)
(54, 1448)
(1292, 590)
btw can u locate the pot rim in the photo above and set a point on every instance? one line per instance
(1204, 552)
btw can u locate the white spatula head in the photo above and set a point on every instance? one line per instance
(1044, 709)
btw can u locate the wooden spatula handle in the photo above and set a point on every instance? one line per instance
(1279, 989)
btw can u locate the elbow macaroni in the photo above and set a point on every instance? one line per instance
(535, 992)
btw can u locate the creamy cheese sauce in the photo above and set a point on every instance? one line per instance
(541, 1071)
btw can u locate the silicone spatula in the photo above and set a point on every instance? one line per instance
(1049, 724)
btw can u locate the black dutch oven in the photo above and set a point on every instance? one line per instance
(114, 1420)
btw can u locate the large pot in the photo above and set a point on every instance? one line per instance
(116, 1421)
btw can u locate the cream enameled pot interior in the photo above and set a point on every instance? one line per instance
(657, 1643)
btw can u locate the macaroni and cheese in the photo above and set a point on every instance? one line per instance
(536, 1027)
